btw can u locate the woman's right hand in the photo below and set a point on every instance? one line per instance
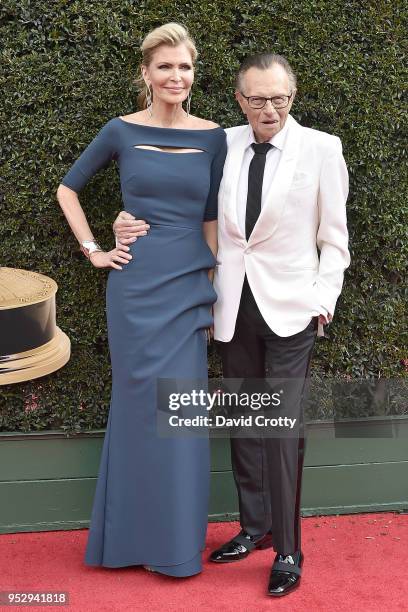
(111, 259)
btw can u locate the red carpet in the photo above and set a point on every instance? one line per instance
(353, 563)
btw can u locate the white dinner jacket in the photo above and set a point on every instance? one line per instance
(304, 211)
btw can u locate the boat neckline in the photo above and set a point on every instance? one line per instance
(155, 127)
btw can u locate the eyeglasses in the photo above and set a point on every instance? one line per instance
(259, 102)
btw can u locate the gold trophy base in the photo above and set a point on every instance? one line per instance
(37, 362)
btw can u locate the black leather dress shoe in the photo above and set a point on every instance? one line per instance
(240, 546)
(285, 576)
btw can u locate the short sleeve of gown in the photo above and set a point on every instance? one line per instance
(97, 155)
(217, 166)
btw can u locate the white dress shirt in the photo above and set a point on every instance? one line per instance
(271, 164)
(272, 160)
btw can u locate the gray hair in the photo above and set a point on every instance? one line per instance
(263, 61)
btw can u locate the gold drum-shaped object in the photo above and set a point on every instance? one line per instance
(31, 344)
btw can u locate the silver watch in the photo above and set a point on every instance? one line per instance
(90, 246)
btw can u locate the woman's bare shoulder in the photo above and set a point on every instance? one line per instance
(203, 124)
(133, 117)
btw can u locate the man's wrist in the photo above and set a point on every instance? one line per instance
(323, 312)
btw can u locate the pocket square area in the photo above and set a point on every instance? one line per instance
(301, 180)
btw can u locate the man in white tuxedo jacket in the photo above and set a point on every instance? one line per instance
(281, 202)
(282, 252)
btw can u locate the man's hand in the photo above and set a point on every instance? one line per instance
(127, 229)
(210, 330)
(323, 320)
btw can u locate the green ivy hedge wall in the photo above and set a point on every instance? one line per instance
(68, 66)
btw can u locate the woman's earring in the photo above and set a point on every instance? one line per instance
(149, 100)
(188, 103)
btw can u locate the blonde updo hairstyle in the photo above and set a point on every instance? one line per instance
(172, 34)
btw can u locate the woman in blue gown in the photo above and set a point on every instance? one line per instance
(151, 501)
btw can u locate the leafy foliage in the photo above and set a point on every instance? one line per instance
(68, 67)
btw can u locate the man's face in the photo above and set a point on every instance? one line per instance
(273, 81)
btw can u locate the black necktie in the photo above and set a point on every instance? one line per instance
(255, 178)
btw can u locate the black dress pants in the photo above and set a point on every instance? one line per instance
(268, 470)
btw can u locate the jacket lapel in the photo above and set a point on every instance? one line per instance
(273, 207)
(236, 149)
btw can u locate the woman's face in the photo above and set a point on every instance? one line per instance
(170, 74)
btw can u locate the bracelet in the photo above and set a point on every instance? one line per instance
(90, 246)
